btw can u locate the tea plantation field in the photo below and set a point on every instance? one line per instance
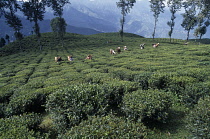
(155, 93)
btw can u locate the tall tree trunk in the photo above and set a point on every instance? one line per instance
(188, 34)
(201, 36)
(37, 31)
(153, 35)
(39, 42)
(122, 28)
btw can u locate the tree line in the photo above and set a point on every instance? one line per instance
(34, 11)
(197, 14)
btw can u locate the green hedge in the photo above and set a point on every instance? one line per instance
(70, 105)
(143, 80)
(199, 119)
(7, 91)
(106, 127)
(26, 102)
(21, 127)
(147, 104)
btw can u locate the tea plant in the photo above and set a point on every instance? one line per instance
(199, 119)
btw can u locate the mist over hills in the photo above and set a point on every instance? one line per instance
(96, 16)
(139, 21)
(44, 27)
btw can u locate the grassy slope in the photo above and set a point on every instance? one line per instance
(32, 69)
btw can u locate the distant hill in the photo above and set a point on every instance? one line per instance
(44, 27)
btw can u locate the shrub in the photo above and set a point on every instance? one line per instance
(106, 127)
(97, 77)
(21, 127)
(114, 91)
(34, 83)
(54, 80)
(147, 104)
(122, 74)
(199, 119)
(26, 102)
(159, 80)
(143, 80)
(38, 74)
(81, 66)
(193, 92)
(7, 91)
(68, 106)
(199, 74)
(20, 79)
(2, 110)
(178, 84)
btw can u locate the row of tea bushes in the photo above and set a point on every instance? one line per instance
(70, 106)
(108, 126)
(148, 104)
(188, 89)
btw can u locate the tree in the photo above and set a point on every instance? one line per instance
(174, 6)
(125, 6)
(34, 11)
(200, 31)
(3, 42)
(12, 20)
(2, 5)
(189, 18)
(204, 6)
(7, 38)
(58, 24)
(11, 7)
(203, 19)
(57, 6)
(157, 6)
(203, 16)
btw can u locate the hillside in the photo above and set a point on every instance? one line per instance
(137, 93)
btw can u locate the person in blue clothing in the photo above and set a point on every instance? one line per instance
(70, 58)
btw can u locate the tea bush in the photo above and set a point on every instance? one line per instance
(199, 119)
(108, 126)
(122, 74)
(74, 103)
(143, 80)
(26, 102)
(7, 91)
(147, 104)
(194, 92)
(97, 78)
(24, 126)
(73, 77)
(159, 80)
(2, 110)
(114, 91)
(178, 83)
(68, 106)
(5, 94)
(38, 74)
